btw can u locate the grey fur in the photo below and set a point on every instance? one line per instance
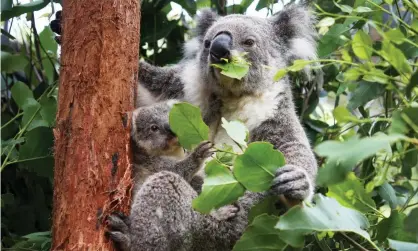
(162, 217)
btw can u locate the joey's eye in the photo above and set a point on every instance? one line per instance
(249, 42)
(154, 128)
(207, 44)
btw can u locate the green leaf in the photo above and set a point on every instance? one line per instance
(331, 40)
(395, 57)
(351, 193)
(237, 68)
(266, 206)
(12, 62)
(326, 22)
(411, 221)
(364, 93)
(48, 109)
(402, 246)
(343, 156)
(219, 188)
(186, 122)
(298, 65)
(32, 116)
(393, 228)
(255, 168)
(18, 10)
(352, 74)
(413, 84)
(344, 8)
(395, 35)
(279, 74)
(362, 9)
(47, 41)
(236, 130)
(362, 45)
(225, 157)
(387, 193)
(22, 95)
(375, 75)
(409, 161)
(342, 115)
(261, 235)
(326, 215)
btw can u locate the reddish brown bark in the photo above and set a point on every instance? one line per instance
(99, 64)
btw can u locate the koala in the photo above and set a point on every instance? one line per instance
(163, 221)
(157, 152)
(156, 147)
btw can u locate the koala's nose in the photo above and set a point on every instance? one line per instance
(221, 48)
(169, 131)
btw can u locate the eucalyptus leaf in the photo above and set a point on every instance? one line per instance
(219, 188)
(343, 156)
(326, 215)
(362, 45)
(236, 130)
(351, 193)
(256, 167)
(402, 245)
(187, 123)
(261, 235)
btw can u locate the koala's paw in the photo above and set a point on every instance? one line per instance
(225, 213)
(203, 151)
(56, 26)
(118, 231)
(292, 182)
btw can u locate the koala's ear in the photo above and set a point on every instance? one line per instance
(204, 20)
(294, 25)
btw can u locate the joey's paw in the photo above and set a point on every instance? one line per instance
(225, 213)
(292, 182)
(56, 26)
(118, 230)
(203, 151)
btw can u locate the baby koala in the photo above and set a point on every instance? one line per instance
(156, 147)
(157, 150)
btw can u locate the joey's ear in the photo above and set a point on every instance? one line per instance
(294, 25)
(204, 20)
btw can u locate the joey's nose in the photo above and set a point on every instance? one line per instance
(221, 48)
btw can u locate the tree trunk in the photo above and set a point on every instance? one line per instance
(99, 65)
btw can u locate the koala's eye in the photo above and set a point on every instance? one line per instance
(154, 128)
(249, 42)
(207, 44)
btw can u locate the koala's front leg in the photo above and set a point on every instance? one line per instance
(296, 180)
(118, 231)
(188, 167)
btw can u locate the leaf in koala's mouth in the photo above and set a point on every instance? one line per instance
(237, 68)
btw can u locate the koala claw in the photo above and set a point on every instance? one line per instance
(118, 232)
(204, 150)
(225, 212)
(292, 182)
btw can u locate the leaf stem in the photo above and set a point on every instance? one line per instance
(225, 151)
(353, 242)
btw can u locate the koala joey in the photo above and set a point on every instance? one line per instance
(157, 153)
(156, 147)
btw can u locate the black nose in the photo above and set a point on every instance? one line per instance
(168, 130)
(220, 48)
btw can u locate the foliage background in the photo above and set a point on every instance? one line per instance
(368, 51)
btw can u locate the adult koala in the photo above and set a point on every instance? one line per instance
(162, 217)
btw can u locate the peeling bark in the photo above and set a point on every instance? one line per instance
(99, 65)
